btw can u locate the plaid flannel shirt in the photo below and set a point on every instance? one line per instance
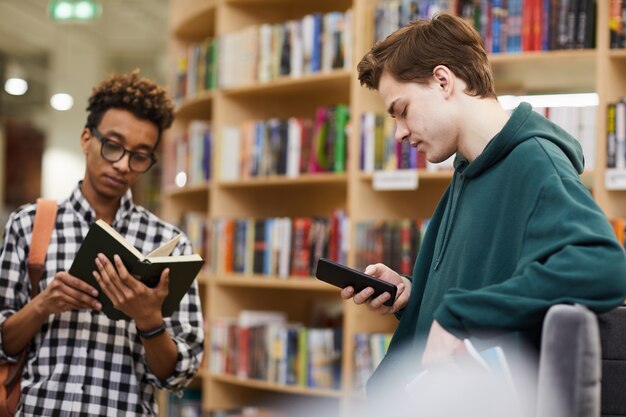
(81, 363)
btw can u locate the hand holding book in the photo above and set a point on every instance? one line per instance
(128, 294)
(103, 239)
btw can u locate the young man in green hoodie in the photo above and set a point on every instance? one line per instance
(515, 232)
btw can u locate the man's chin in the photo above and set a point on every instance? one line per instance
(112, 193)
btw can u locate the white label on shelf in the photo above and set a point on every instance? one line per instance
(615, 179)
(402, 179)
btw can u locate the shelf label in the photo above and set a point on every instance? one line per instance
(402, 179)
(615, 179)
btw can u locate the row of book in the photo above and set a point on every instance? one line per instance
(198, 229)
(390, 15)
(196, 69)
(380, 150)
(394, 243)
(617, 24)
(532, 25)
(616, 135)
(286, 247)
(580, 122)
(281, 246)
(288, 147)
(248, 411)
(187, 157)
(262, 345)
(504, 25)
(369, 350)
(318, 42)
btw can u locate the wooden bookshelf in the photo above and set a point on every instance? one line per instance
(588, 70)
(262, 281)
(267, 386)
(192, 19)
(196, 107)
(281, 180)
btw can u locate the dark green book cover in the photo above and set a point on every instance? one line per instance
(102, 238)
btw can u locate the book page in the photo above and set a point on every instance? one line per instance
(179, 258)
(110, 230)
(165, 249)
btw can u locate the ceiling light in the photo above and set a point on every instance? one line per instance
(16, 86)
(85, 10)
(62, 10)
(74, 10)
(62, 101)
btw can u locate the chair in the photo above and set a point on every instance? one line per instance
(569, 363)
(613, 340)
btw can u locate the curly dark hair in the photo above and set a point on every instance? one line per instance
(140, 96)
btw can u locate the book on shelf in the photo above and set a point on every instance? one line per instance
(263, 345)
(533, 25)
(248, 411)
(369, 350)
(617, 33)
(279, 247)
(102, 238)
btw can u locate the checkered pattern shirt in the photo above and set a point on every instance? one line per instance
(81, 363)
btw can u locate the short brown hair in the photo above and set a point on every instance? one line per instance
(412, 52)
(142, 97)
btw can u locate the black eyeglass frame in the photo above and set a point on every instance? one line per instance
(103, 140)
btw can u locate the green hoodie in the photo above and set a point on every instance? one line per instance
(515, 233)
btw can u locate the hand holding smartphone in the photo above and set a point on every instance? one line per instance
(343, 276)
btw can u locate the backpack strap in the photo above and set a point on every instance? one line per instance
(45, 217)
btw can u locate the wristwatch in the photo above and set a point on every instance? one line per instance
(149, 334)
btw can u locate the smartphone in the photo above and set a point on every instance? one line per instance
(343, 276)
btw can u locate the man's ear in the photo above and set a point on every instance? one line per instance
(84, 140)
(444, 79)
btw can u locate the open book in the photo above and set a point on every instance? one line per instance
(102, 238)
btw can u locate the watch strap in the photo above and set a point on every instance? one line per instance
(149, 334)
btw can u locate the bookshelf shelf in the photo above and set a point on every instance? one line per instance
(194, 21)
(263, 281)
(305, 179)
(423, 175)
(525, 73)
(263, 385)
(204, 277)
(617, 54)
(196, 107)
(337, 82)
(539, 57)
(189, 191)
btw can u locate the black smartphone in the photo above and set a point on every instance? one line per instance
(343, 276)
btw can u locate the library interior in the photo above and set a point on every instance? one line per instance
(278, 156)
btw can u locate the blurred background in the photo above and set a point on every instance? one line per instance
(52, 52)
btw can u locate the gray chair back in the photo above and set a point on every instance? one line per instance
(569, 363)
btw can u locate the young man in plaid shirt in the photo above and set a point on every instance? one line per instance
(80, 363)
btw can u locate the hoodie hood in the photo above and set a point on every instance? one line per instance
(523, 124)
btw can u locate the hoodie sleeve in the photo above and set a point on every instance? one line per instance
(569, 255)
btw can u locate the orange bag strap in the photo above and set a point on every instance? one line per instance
(45, 218)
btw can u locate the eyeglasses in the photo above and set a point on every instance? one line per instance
(112, 151)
